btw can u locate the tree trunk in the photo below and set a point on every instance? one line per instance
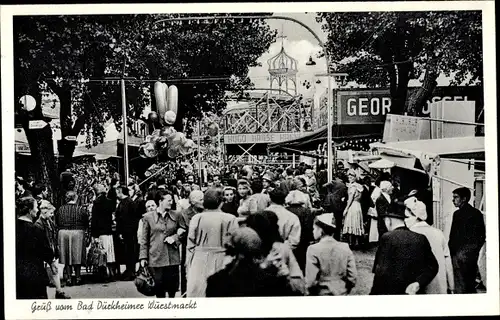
(399, 99)
(41, 147)
(419, 97)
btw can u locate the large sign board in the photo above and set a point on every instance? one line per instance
(361, 106)
(272, 137)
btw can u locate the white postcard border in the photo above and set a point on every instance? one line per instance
(450, 305)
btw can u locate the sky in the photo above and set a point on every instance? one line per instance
(299, 43)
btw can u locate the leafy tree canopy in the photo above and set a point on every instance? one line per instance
(51, 48)
(381, 49)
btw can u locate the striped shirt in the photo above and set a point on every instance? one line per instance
(72, 217)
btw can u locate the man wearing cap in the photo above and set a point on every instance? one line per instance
(382, 205)
(404, 262)
(467, 236)
(330, 265)
(416, 216)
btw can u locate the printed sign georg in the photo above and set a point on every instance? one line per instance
(371, 105)
(357, 107)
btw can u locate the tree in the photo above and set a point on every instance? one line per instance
(390, 48)
(59, 51)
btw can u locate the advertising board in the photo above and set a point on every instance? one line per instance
(271, 137)
(361, 106)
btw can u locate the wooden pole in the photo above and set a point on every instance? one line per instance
(125, 133)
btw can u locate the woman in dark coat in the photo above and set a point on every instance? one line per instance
(101, 226)
(32, 249)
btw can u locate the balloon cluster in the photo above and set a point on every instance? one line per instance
(165, 139)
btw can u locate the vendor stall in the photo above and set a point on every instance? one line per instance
(445, 164)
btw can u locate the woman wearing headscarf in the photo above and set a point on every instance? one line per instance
(242, 276)
(353, 229)
(277, 255)
(416, 216)
(205, 242)
(32, 250)
(46, 224)
(296, 202)
(330, 268)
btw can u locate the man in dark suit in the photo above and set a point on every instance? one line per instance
(382, 205)
(335, 202)
(467, 236)
(127, 222)
(404, 262)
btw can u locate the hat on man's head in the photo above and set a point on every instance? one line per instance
(326, 220)
(395, 210)
(412, 193)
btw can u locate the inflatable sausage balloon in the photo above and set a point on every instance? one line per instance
(170, 117)
(172, 99)
(160, 98)
(159, 92)
(165, 100)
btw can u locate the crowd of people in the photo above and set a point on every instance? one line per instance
(252, 231)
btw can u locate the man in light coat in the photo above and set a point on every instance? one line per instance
(416, 216)
(288, 223)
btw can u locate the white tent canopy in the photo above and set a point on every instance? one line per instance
(432, 148)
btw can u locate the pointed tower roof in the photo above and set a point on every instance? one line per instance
(282, 64)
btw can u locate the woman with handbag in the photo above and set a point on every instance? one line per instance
(159, 246)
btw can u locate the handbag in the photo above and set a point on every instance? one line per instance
(96, 256)
(144, 282)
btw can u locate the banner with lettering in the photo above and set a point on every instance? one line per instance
(361, 106)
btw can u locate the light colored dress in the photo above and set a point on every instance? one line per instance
(353, 220)
(372, 213)
(205, 252)
(439, 246)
